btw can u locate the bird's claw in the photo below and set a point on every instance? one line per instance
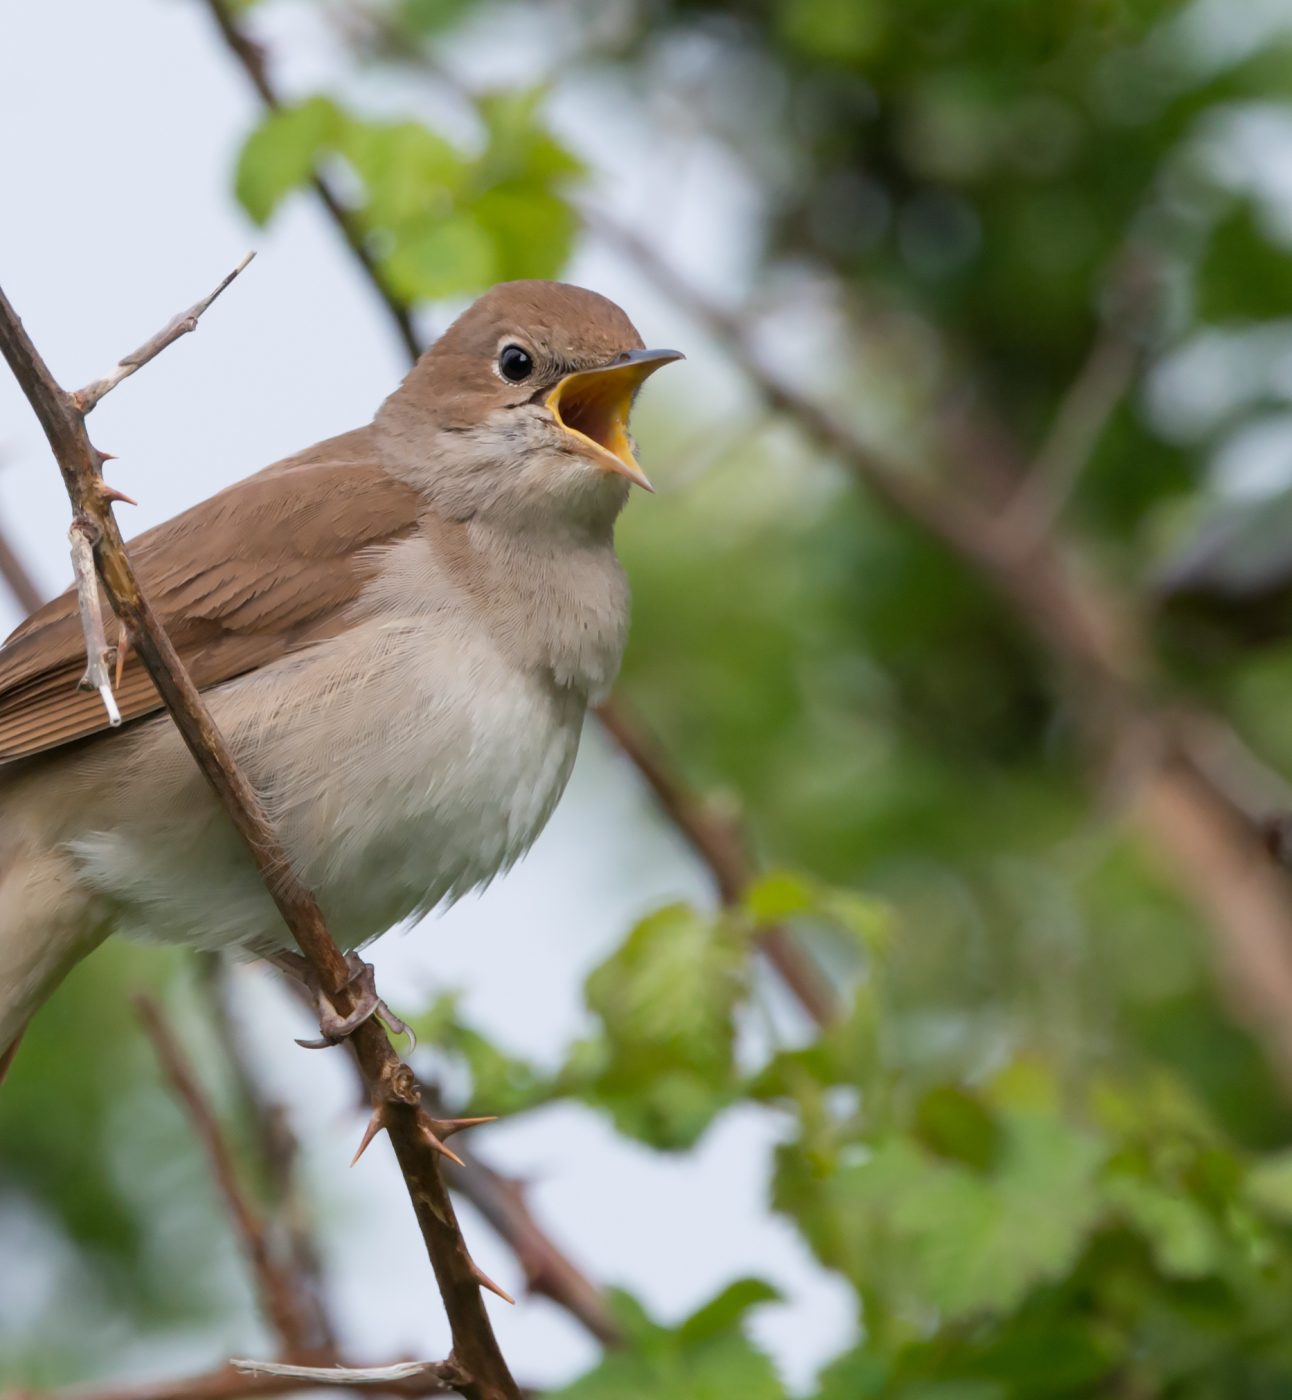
(362, 986)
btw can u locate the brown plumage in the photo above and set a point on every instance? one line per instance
(263, 568)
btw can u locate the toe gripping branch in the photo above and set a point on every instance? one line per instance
(362, 985)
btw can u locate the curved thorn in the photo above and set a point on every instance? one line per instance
(429, 1134)
(375, 1124)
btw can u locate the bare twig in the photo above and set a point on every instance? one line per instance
(1074, 434)
(186, 322)
(391, 1085)
(348, 1375)
(275, 1146)
(229, 1383)
(17, 578)
(98, 654)
(280, 1299)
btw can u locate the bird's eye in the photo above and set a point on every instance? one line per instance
(515, 363)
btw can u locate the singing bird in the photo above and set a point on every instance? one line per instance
(398, 630)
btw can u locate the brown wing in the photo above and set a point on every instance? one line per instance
(268, 565)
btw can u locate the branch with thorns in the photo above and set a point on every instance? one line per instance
(392, 1088)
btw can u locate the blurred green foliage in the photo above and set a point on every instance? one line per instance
(1036, 1145)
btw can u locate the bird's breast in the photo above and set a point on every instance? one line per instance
(438, 769)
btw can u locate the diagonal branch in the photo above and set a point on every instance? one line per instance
(391, 1085)
(183, 324)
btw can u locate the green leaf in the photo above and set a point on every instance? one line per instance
(929, 1233)
(281, 154)
(707, 1358)
(666, 1001)
(726, 1311)
(1180, 1233)
(409, 173)
(861, 1374)
(779, 895)
(444, 258)
(533, 229)
(433, 16)
(786, 894)
(954, 1123)
(1246, 274)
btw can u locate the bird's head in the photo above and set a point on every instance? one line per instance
(520, 410)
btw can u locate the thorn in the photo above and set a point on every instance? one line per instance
(375, 1124)
(110, 493)
(429, 1134)
(446, 1127)
(106, 456)
(485, 1281)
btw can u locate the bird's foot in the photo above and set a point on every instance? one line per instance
(362, 987)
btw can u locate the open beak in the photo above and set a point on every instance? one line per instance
(593, 406)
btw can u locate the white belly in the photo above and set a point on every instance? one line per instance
(403, 765)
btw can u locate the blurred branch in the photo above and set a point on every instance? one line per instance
(796, 966)
(391, 1086)
(17, 579)
(229, 1383)
(280, 1296)
(1078, 425)
(252, 59)
(275, 1146)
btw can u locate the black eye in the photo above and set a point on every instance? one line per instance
(515, 363)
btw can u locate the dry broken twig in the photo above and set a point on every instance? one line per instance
(183, 324)
(391, 1085)
(98, 654)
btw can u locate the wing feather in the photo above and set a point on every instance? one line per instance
(264, 567)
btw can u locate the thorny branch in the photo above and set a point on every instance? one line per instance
(391, 1086)
(712, 840)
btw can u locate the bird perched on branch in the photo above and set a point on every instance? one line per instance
(399, 631)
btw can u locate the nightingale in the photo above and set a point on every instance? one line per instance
(399, 632)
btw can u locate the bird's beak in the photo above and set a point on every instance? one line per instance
(593, 406)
